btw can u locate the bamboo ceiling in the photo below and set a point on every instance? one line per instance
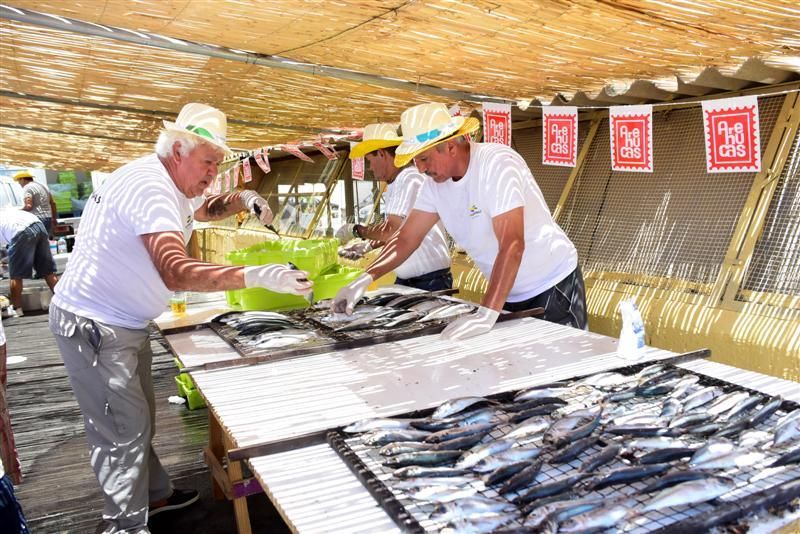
(95, 102)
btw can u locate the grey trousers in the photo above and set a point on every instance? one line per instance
(110, 371)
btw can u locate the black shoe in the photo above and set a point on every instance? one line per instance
(179, 499)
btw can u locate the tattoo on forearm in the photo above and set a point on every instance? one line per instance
(218, 207)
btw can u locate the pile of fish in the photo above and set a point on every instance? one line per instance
(266, 330)
(661, 439)
(392, 310)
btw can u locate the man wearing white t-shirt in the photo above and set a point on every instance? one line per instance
(486, 197)
(130, 255)
(428, 267)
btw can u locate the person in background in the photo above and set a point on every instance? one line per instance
(37, 200)
(489, 202)
(428, 267)
(11, 517)
(28, 249)
(129, 256)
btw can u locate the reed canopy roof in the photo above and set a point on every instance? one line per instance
(86, 83)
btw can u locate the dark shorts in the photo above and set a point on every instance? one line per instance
(11, 517)
(564, 303)
(28, 250)
(48, 224)
(432, 281)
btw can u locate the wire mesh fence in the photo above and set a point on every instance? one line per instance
(550, 178)
(775, 266)
(676, 222)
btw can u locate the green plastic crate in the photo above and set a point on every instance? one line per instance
(315, 256)
(193, 398)
(310, 255)
(327, 284)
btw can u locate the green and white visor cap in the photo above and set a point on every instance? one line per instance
(207, 123)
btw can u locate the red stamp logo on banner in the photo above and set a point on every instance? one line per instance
(732, 135)
(262, 158)
(560, 136)
(497, 123)
(356, 166)
(227, 185)
(248, 174)
(631, 138)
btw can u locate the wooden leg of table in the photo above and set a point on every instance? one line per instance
(239, 504)
(217, 447)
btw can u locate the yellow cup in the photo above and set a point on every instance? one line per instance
(177, 304)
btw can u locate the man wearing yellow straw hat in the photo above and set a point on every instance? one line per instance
(428, 267)
(489, 202)
(37, 200)
(129, 256)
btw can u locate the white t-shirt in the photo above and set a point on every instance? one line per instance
(12, 222)
(433, 253)
(110, 276)
(497, 181)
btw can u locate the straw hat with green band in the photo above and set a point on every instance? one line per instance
(375, 137)
(205, 122)
(425, 126)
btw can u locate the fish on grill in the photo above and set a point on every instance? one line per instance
(691, 492)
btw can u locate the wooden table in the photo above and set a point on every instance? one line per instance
(288, 400)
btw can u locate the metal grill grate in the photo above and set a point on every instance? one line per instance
(676, 222)
(550, 178)
(749, 480)
(775, 266)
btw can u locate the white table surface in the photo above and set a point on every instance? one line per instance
(311, 487)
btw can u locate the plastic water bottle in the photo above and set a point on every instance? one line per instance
(53, 247)
(62, 245)
(631, 338)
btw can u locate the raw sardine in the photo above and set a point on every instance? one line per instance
(692, 492)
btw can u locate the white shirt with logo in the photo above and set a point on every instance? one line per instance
(110, 277)
(433, 253)
(497, 181)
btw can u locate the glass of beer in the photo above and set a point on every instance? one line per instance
(178, 303)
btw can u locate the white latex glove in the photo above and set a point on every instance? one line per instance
(278, 278)
(345, 300)
(344, 233)
(257, 205)
(474, 324)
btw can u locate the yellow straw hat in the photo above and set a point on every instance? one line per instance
(376, 136)
(205, 122)
(427, 125)
(22, 175)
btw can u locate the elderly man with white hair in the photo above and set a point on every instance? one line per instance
(128, 258)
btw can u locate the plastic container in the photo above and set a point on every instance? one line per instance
(61, 245)
(53, 247)
(193, 398)
(315, 256)
(631, 337)
(310, 255)
(332, 280)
